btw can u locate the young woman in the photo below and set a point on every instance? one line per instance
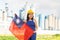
(32, 23)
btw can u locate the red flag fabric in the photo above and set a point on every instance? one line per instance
(22, 33)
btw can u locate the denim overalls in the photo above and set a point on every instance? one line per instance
(32, 25)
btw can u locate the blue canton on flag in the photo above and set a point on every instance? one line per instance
(19, 22)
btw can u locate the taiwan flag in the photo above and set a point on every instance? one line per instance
(20, 29)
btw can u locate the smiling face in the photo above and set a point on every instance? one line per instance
(30, 16)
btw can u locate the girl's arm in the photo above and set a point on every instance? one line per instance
(36, 25)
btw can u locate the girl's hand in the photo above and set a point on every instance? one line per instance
(34, 31)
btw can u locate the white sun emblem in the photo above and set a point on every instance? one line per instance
(17, 21)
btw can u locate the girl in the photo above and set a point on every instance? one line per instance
(32, 23)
